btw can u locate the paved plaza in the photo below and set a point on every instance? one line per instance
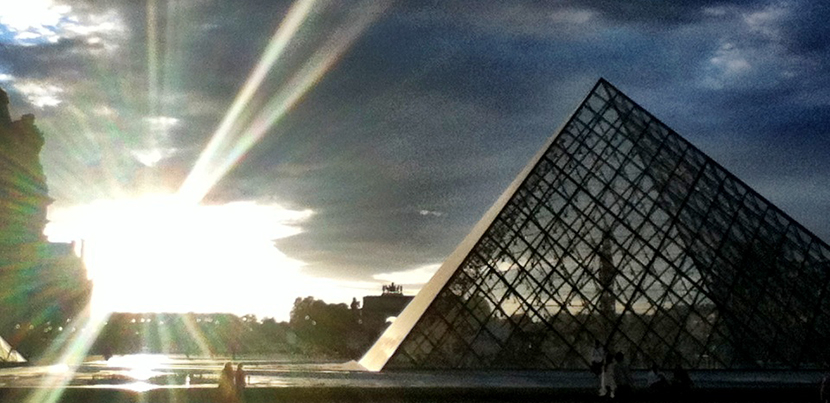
(160, 378)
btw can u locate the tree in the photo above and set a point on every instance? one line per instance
(328, 329)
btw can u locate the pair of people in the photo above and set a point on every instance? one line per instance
(615, 376)
(611, 370)
(232, 384)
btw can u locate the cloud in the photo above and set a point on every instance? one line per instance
(727, 65)
(151, 157)
(431, 213)
(761, 48)
(767, 21)
(39, 93)
(32, 22)
(435, 159)
(37, 22)
(567, 21)
(161, 123)
(415, 132)
(572, 16)
(157, 136)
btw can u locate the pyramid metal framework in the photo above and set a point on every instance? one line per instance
(622, 232)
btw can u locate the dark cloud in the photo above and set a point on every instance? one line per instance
(437, 106)
(425, 114)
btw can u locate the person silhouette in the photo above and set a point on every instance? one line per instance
(608, 384)
(680, 379)
(597, 358)
(622, 375)
(240, 383)
(656, 381)
(227, 390)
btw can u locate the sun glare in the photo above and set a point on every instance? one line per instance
(140, 367)
(158, 254)
(170, 253)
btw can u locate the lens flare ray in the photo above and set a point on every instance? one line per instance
(225, 150)
(240, 129)
(73, 353)
(297, 14)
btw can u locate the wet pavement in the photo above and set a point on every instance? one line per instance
(147, 377)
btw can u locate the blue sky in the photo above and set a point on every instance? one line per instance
(422, 113)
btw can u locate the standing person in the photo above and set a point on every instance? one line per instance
(680, 379)
(608, 385)
(622, 375)
(597, 356)
(656, 381)
(227, 390)
(240, 383)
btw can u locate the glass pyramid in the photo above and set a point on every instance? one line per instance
(620, 231)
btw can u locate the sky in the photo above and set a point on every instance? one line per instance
(232, 156)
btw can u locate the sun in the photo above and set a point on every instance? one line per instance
(162, 254)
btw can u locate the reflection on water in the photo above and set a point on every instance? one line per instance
(57, 369)
(139, 386)
(140, 367)
(143, 372)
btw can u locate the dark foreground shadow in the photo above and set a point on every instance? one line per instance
(805, 393)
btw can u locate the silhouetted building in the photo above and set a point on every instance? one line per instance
(42, 282)
(23, 193)
(377, 309)
(621, 231)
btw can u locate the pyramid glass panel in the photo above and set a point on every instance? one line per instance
(622, 232)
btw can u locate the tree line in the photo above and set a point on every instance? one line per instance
(315, 330)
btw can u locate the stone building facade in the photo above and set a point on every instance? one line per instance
(44, 285)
